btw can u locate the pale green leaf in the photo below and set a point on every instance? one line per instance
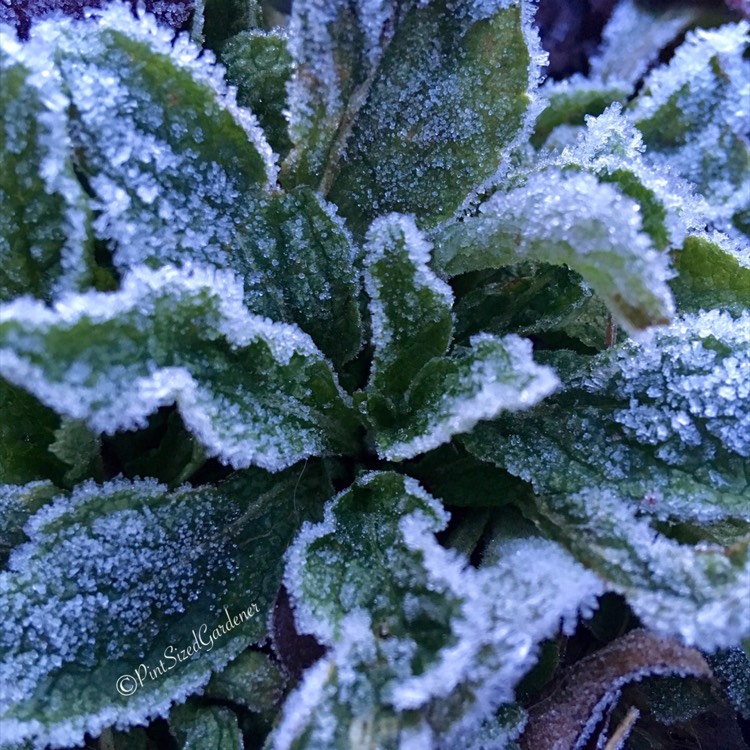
(17, 504)
(128, 596)
(573, 219)
(45, 243)
(79, 448)
(251, 391)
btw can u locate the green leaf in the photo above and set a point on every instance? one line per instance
(643, 439)
(224, 19)
(417, 399)
(79, 448)
(450, 395)
(199, 727)
(252, 680)
(259, 64)
(689, 116)
(17, 504)
(410, 307)
(251, 391)
(451, 98)
(176, 168)
(422, 648)
(27, 430)
(713, 273)
(119, 581)
(45, 244)
(572, 219)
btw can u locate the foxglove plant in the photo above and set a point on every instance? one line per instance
(340, 336)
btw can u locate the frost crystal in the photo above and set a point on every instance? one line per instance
(252, 391)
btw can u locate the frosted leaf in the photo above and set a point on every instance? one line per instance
(410, 626)
(129, 574)
(198, 727)
(451, 99)
(694, 116)
(417, 399)
(410, 307)
(612, 148)
(251, 391)
(663, 422)
(451, 394)
(259, 64)
(79, 448)
(732, 668)
(337, 47)
(713, 271)
(569, 101)
(634, 37)
(573, 219)
(45, 242)
(17, 504)
(568, 717)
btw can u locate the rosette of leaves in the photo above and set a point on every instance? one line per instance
(342, 339)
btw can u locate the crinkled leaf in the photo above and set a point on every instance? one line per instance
(571, 219)
(259, 65)
(451, 98)
(690, 115)
(199, 727)
(451, 394)
(732, 668)
(45, 244)
(252, 391)
(713, 272)
(410, 626)
(649, 438)
(118, 581)
(418, 399)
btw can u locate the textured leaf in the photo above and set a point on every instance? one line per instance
(259, 65)
(649, 438)
(45, 245)
(732, 669)
(713, 272)
(451, 98)
(409, 625)
(417, 399)
(199, 727)
(572, 219)
(79, 448)
(251, 391)
(157, 572)
(691, 120)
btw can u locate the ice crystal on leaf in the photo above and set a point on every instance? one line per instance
(308, 296)
(252, 391)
